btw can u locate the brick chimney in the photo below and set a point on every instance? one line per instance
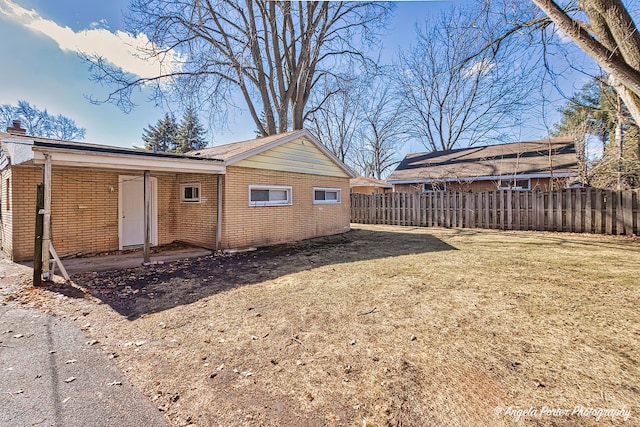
(16, 129)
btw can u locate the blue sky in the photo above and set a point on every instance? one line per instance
(41, 64)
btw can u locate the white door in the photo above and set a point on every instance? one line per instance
(132, 211)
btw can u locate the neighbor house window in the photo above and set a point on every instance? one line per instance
(271, 195)
(190, 192)
(514, 184)
(326, 195)
(429, 187)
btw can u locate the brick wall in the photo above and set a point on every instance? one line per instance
(23, 188)
(84, 205)
(196, 222)
(85, 210)
(537, 184)
(245, 225)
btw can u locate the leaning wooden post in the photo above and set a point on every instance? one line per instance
(46, 229)
(37, 248)
(147, 217)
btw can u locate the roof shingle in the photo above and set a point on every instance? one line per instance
(556, 155)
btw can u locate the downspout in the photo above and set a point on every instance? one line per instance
(219, 213)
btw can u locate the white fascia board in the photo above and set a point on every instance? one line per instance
(487, 178)
(73, 158)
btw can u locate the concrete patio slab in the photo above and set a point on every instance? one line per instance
(125, 260)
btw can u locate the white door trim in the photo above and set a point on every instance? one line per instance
(154, 207)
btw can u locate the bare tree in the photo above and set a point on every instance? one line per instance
(38, 122)
(337, 122)
(381, 132)
(609, 36)
(272, 53)
(457, 92)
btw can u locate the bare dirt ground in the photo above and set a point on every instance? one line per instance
(398, 326)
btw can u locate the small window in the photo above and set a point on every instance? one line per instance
(273, 195)
(429, 187)
(190, 193)
(326, 195)
(514, 184)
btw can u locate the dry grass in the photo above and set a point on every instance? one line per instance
(399, 326)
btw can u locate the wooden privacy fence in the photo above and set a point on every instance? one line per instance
(582, 210)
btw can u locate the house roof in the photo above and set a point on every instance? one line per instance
(543, 158)
(238, 151)
(22, 149)
(363, 181)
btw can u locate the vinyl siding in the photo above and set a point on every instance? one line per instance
(299, 156)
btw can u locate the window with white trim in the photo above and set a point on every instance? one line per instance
(429, 187)
(269, 195)
(190, 192)
(514, 184)
(326, 195)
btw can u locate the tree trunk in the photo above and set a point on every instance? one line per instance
(612, 17)
(619, 137)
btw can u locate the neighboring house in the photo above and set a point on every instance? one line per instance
(365, 185)
(535, 165)
(269, 190)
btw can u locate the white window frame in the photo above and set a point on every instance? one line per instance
(338, 200)
(287, 202)
(527, 188)
(183, 199)
(440, 184)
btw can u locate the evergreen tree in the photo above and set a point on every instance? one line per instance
(597, 111)
(163, 136)
(190, 134)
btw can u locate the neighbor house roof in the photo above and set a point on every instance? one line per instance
(363, 181)
(543, 158)
(238, 151)
(20, 148)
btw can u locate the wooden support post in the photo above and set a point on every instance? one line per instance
(46, 228)
(147, 217)
(37, 248)
(219, 213)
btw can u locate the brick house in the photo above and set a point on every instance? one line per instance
(269, 190)
(533, 165)
(366, 185)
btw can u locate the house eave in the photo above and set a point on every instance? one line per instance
(485, 178)
(126, 161)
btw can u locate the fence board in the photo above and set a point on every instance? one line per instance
(578, 210)
(627, 213)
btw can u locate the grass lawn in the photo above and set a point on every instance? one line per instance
(398, 326)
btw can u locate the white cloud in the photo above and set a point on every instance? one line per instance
(121, 49)
(478, 67)
(102, 23)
